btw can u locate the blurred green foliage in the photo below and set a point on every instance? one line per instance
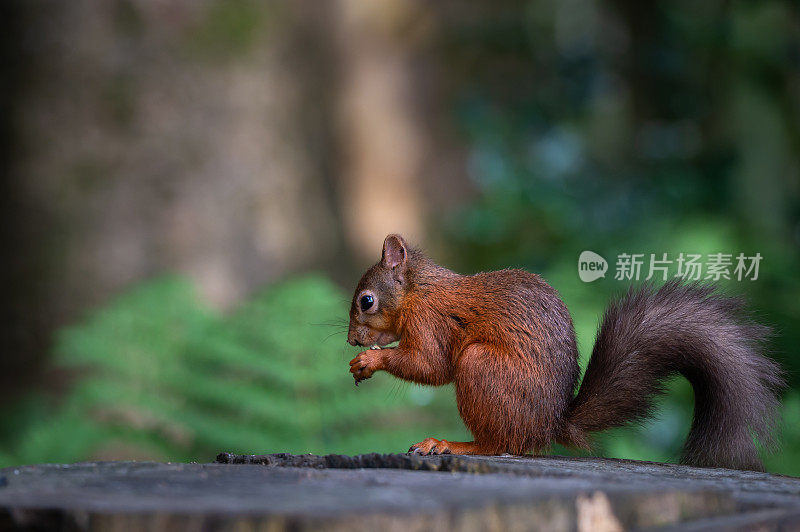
(156, 374)
(233, 28)
(623, 127)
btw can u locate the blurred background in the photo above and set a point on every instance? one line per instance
(192, 188)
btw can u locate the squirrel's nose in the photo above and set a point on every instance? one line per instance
(352, 342)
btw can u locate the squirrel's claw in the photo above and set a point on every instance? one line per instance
(430, 446)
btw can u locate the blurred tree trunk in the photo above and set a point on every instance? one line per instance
(161, 136)
(384, 141)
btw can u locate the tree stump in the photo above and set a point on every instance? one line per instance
(394, 492)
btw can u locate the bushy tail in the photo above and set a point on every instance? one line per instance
(690, 329)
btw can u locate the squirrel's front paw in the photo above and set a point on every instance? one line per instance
(365, 364)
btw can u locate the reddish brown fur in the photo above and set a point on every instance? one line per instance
(506, 341)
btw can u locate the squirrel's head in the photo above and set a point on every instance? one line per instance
(377, 299)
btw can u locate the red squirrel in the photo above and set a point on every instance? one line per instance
(505, 339)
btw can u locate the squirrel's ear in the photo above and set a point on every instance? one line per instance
(395, 254)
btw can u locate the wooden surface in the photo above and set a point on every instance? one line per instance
(395, 492)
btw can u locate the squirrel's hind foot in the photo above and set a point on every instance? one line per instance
(430, 446)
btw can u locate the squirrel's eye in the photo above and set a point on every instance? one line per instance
(366, 302)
